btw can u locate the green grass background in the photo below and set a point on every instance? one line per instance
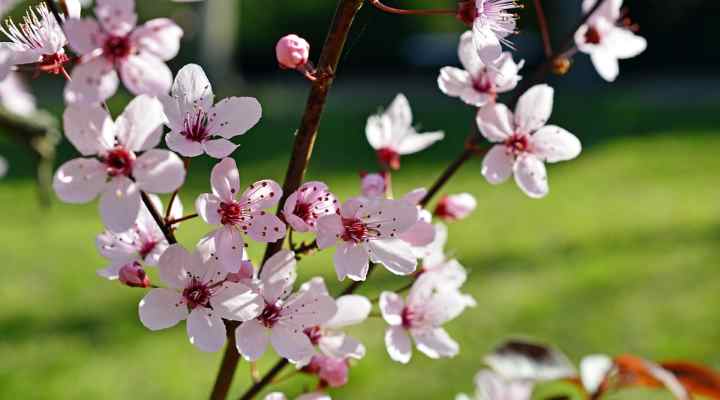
(621, 257)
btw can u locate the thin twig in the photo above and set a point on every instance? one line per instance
(55, 11)
(392, 10)
(169, 235)
(544, 31)
(170, 222)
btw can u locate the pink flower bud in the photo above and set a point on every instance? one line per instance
(332, 371)
(455, 207)
(133, 275)
(292, 51)
(246, 272)
(374, 185)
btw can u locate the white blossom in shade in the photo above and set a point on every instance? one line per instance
(524, 141)
(113, 45)
(421, 318)
(490, 385)
(524, 360)
(306, 396)
(367, 230)
(307, 204)
(197, 126)
(352, 309)
(116, 171)
(606, 39)
(199, 293)
(455, 207)
(3, 167)
(238, 216)
(374, 184)
(479, 84)
(15, 95)
(285, 317)
(392, 135)
(38, 39)
(594, 369)
(144, 242)
(492, 22)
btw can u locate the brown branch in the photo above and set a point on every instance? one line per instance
(55, 11)
(265, 380)
(167, 232)
(544, 31)
(170, 222)
(392, 10)
(229, 363)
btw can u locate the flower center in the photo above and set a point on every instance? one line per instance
(592, 35)
(119, 161)
(314, 334)
(483, 84)
(197, 294)
(147, 248)
(270, 315)
(355, 230)
(117, 48)
(53, 63)
(304, 211)
(518, 144)
(231, 213)
(407, 316)
(195, 128)
(389, 157)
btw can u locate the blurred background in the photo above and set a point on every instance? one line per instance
(622, 256)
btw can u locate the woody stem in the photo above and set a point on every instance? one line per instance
(392, 10)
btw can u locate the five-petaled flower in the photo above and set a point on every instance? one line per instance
(244, 215)
(306, 205)
(285, 317)
(368, 230)
(524, 142)
(391, 133)
(197, 126)
(492, 22)
(478, 83)
(113, 45)
(198, 292)
(606, 39)
(116, 171)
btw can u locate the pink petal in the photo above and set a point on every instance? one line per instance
(414, 196)
(234, 116)
(145, 73)
(315, 285)
(454, 81)
(79, 180)
(497, 164)
(306, 309)
(531, 176)
(159, 171)
(278, 275)
(389, 217)
(534, 108)
(394, 254)
(89, 128)
(117, 247)
(266, 228)
(139, 127)
(552, 144)
(291, 344)
(341, 345)
(352, 310)
(179, 143)
(237, 302)
(261, 195)
(206, 329)
(176, 266)
(229, 247)
(436, 343)
(161, 309)
(120, 204)
(207, 206)
(192, 90)
(468, 54)
(495, 122)
(296, 223)
(160, 36)
(391, 306)
(111, 272)
(251, 339)
(398, 344)
(219, 148)
(225, 180)
(420, 234)
(329, 229)
(352, 261)
(84, 35)
(117, 17)
(175, 117)
(414, 142)
(486, 42)
(93, 81)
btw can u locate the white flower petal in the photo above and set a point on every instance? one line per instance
(84, 35)
(162, 308)
(160, 36)
(237, 302)
(139, 127)
(234, 116)
(531, 176)
(397, 342)
(225, 180)
(192, 89)
(497, 164)
(534, 108)
(352, 310)
(391, 307)
(219, 148)
(80, 180)
(251, 339)
(593, 371)
(159, 171)
(436, 343)
(291, 343)
(207, 206)
(93, 81)
(186, 147)
(495, 122)
(120, 204)
(552, 144)
(394, 254)
(89, 128)
(145, 73)
(206, 329)
(351, 261)
(116, 16)
(278, 275)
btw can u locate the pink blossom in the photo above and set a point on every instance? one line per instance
(113, 45)
(133, 275)
(199, 293)
(455, 207)
(284, 318)
(606, 39)
(478, 83)
(306, 396)
(490, 385)
(524, 142)
(197, 126)
(292, 51)
(332, 371)
(391, 133)
(329, 337)
(306, 205)
(144, 242)
(116, 171)
(421, 318)
(492, 22)
(246, 274)
(375, 185)
(38, 39)
(238, 216)
(15, 96)
(367, 230)
(422, 232)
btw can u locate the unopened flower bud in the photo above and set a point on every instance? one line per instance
(455, 207)
(133, 275)
(467, 12)
(561, 65)
(292, 51)
(332, 371)
(246, 272)
(374, 185)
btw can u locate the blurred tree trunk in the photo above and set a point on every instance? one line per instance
(218, 39)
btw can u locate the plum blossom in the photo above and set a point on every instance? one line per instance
(478, 83)
(524, 142)
(197, 126)
(199, 293)
(492, 22)
(15, 95)
(375, 184)
(351, 310)
(284, 317)
(292, 51)
(606, 39)
(367, 230)
(116, 173)
(144, 242)
(332, 371)
(391, 133)
(38, 39)
(246, 273)
(490, 385)
(238, 216)
(421, 317)
(455, 207)
(307, 204)
(114, 45)
(306, 396)
(421, 233)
